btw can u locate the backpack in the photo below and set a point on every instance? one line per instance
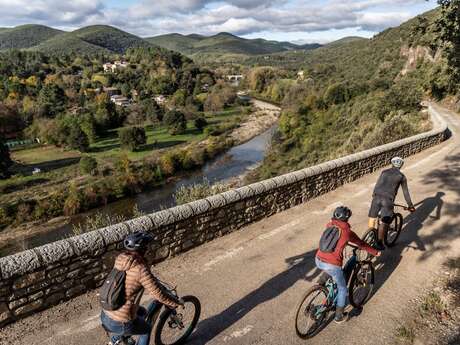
(329, 239)
(112, 294)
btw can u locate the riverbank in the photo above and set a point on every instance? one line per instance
(250, 141)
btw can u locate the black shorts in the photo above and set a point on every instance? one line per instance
(381, 206)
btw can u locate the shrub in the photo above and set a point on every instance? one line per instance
(74, 202)
(5, 160)
(200, 123)
(88, 165)
(169, 163)
(132, 137)
(198, 191)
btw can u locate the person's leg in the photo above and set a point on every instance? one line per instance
(387, 217)
(114, 327)
(376, 208)
(373, 212)
(141, 328)
(337, 275)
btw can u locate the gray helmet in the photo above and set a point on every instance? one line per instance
(397, 162)
(137, 241)
(342, 213)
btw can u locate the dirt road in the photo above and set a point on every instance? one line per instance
(249, 282)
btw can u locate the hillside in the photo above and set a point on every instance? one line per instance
(110, 38)
(25, 36)
(223, 43)
(346, 40)
(354, 95)
(68, 43)
(88, 40)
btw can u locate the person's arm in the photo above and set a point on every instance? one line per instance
(405, 189)
(354, 239)
(150, 284)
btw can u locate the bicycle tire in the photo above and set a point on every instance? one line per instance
(370, 237)
(397, 222)
(167, 313)
(356, 280)
(305, 335)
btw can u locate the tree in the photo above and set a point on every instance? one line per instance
(200, 123)
(77, 139)
(51, 100)
(448, 27)
(132, 137)
(221, 96)
(5, 160)
(88, 165)
(153, 111)
(176, 122)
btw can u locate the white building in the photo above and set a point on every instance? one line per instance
(120, 100)
(160, 99)
(113, 67)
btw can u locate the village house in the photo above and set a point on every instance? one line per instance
(301, 75)
(120, 100)
(113, 67)
(111, 91)
(160, 99)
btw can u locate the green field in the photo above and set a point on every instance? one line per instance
(59, 165)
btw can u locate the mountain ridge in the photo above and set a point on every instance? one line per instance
(224, 43)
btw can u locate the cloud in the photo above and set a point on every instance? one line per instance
(54, 12)
(151, 17)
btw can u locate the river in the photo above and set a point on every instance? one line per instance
(235, 163)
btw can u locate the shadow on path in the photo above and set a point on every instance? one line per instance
(298, 268)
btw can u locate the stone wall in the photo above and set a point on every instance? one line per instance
(42, 277)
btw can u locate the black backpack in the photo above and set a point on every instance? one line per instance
(329, 239)
(112, 294)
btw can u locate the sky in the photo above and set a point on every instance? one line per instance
(296, 21)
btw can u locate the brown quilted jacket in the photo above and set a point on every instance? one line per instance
(138, 279)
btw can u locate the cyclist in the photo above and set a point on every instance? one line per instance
(385, 192)
(127, 320)
(332, 260)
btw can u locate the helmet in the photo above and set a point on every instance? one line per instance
(397, 162)
(137, 241)
(342, 213)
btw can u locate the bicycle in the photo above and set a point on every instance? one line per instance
(393, 232)
(170, 320)
(360, 277)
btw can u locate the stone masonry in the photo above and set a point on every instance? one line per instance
(45, 276)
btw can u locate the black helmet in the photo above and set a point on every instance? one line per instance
(342, 213)
(137, 241)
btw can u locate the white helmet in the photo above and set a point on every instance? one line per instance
(397, 162)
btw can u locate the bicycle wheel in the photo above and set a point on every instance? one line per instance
(394, 230)
(312, 312)
(370, 237)
(176, 325)
(361, 284)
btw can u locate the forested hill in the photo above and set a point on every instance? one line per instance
(353, 95)
(224, 43)
(25, 36)
(91, 39)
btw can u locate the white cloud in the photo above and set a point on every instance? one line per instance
(151, 17)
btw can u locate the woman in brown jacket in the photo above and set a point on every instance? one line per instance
(126, 321)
